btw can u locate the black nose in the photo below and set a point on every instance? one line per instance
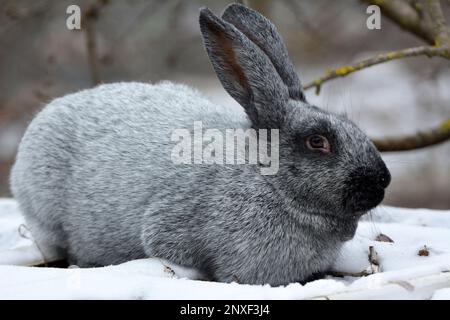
(368, 178)
(365, 188)
(384, 176)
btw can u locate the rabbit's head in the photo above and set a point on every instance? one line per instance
(327, 164)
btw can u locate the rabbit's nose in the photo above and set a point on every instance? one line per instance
(373, 178)
(384, 177)
(365, 188)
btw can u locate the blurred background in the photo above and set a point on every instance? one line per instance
(154, 40)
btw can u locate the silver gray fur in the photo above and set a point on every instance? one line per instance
(93, 174)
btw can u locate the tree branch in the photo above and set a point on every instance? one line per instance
(439, 30)
(410, 19)
(419, 140)
(91, 47)
(90, 17)
(426, 21)
(428, 51)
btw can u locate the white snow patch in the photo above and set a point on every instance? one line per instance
(442, 294)
(405, 274)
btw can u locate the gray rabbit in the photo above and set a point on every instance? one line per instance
(94, 177)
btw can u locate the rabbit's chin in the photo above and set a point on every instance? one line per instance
(339, 225)
(345, 227)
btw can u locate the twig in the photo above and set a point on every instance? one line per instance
(416, 141)
(374, 267)
(90, 17)
(413, 19)
(407, 17)
(428, 51)
(439, 30)
(373, 259)
(167, 269)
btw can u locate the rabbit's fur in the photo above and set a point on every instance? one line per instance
(94, 178)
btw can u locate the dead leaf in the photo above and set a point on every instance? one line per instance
(423, 252)
(383, 238)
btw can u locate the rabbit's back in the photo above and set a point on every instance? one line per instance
(91, 161)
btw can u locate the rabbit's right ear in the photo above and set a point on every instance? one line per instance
(245, 71)
(264, 34)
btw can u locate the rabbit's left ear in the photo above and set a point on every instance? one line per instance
(264, 34)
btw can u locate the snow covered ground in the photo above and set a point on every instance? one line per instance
(404, 273)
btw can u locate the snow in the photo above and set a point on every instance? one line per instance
(442, 294)
(404, 274)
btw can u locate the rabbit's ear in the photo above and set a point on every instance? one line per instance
(245, 71)
(264, 34)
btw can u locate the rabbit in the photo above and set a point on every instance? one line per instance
(94, 179)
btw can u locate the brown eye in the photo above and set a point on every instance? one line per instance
(317, 142)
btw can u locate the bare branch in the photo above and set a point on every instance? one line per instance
(419, 140)
(433, 30)
(439, 30)
(428, 51)
(92, 55)
(407, 17)
(428, 23)
(423, 19)
(373, 260)
(90, 17)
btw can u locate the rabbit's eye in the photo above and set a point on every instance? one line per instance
(317, 142)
